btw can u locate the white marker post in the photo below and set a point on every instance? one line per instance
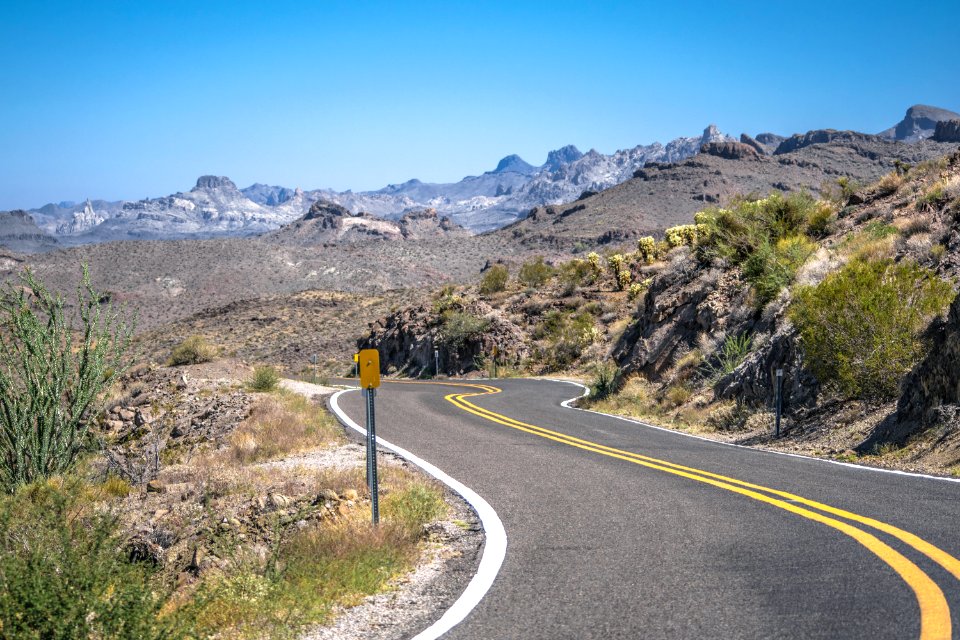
(779, 399)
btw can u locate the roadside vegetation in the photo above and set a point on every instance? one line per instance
(145, 502)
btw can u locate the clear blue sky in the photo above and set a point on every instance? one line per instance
(135, 99)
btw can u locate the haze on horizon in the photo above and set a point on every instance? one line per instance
(125, 101)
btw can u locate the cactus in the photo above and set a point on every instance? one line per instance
(51, 374)
(647, 249)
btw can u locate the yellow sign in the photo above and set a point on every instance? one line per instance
(369, 368)
(356, 357)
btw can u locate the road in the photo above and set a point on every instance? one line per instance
(619, 530)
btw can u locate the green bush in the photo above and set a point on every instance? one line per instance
(733, 351)
(861, 328)
(265, 378)
(193, 350)
(64, 573)
(54, 366)
(575, 273)
(535, 273)
(458, 327)
(494, 280)
(770, 268)
(604, 380)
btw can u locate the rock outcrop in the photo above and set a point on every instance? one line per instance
(750, 142)
(18, 232)
(931, 392)
(820, 136)
(407, 339)
(919, 123)
(947, 131)
(729, 150)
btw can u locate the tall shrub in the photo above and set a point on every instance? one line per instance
(54, 364)
(862, 327)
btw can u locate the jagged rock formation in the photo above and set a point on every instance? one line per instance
(327, 223)
(18, 232)
(406, 341)
(730, 150)
(947, 131)
(919, 123)
(750, 142)
(82, 221)
(769, 142)
(821, 136)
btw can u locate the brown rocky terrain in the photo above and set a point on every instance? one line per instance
(664, 195)
(672, 349)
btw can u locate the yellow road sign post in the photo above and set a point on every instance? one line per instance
(368, 361)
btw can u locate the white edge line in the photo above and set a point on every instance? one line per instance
(567, 404)
(495, 544)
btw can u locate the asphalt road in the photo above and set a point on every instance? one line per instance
(602, 543)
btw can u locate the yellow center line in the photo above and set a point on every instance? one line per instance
(934, 611)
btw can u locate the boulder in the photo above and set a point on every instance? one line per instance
(729, 150)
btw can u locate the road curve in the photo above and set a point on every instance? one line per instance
(617, 530)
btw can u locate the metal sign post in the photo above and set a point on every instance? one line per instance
(779, 399)
(316, 359)
(436, 363)
(368, 363)
(356, 365)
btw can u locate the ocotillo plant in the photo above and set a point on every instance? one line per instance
(54, 365)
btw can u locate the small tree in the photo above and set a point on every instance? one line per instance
(535, 273)
(494, 280)
(53, 368)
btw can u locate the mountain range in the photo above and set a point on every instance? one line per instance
(216, 207)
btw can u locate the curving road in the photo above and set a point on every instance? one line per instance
(621, 530)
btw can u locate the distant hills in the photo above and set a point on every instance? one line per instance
(216, 207)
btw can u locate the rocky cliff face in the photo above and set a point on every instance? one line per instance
(19, 233)
(821, 136)
(947, 131)
(407, 339)
(919, 123)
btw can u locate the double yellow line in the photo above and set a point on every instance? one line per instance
(934, 611)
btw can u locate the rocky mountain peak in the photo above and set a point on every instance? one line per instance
(562, 156)
(208, 183)
(919, 123)
(712, 134)
(326, 209)
(515, 164)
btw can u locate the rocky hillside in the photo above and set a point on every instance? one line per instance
(786, 282)
(664, 195)
(18, 232)
(215, 207)
(919, 123)
(327, 223)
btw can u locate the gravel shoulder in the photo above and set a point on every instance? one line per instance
(449, 559)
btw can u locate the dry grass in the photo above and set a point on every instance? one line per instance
(889, 184)
(279, 425)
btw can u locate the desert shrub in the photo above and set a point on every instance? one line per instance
(676, 395)
(604, 380)
(447, 299)
(535, 273)
(459, 327)
(193, 350)
(637, 289)
(575, 273)
(818, 224)
(839, 191)
(566, 335)
(770, 268)
(619, 270)
(264, 378)
(861, 328)
(279, 425)
(933, 198)
(732, 352)
(51, 376)
(593, 258)
(889, 184)
(728, 417)
(64, 572)
(647, 249)
(494, 280)
(937, 252)
(684, 235)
